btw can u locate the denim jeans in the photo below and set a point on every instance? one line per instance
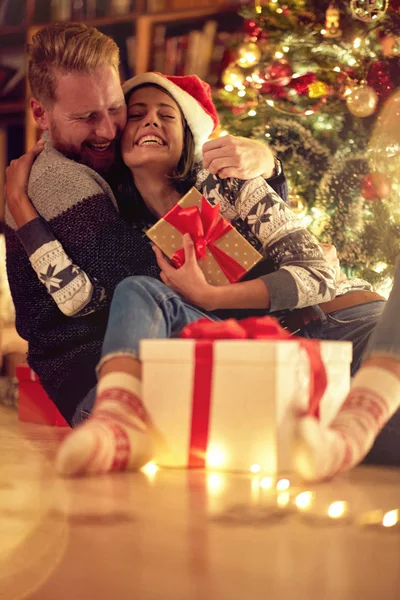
(142, 307)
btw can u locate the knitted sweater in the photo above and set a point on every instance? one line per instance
(78, 266)
(81, 210)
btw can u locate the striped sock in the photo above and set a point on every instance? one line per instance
(321, 453)
(116, 438)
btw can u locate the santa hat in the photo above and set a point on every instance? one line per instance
(193, 97)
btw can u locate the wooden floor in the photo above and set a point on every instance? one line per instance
(185, 535)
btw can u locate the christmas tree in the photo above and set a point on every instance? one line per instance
(318, 83)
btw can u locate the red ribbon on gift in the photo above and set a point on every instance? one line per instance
(205, 227)
(263, 328)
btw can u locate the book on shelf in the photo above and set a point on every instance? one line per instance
(159, 48)
(130, 43)
(120, 7)
(12, 12)
(198, 51)
(153, 6)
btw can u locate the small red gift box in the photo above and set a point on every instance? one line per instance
(34, 405)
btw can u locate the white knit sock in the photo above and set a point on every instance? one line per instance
(118, 435)
(321, 453)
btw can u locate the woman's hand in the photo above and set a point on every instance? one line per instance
(188, 280)
(15, 189)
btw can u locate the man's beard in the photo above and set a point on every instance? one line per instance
(79, 155)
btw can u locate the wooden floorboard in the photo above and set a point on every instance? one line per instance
(183, 535)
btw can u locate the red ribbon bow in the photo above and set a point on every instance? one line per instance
(205, 227)
(263, 328)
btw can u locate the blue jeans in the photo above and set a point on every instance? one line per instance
(143, 307)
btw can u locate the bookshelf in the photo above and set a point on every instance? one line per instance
(134, 30)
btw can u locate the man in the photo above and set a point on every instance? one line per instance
(78, 100)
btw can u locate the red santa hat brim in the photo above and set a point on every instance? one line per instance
(192, 95)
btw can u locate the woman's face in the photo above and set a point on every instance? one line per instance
(153, 135)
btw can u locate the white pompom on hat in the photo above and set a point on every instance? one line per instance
(192, 95)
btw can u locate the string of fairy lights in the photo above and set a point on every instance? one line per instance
(277, 500)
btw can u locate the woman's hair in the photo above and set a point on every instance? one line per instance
(64, 48)
(129, 199)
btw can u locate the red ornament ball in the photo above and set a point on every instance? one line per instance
(375, 186)
(280, 71)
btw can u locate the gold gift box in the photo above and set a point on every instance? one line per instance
(170, 240)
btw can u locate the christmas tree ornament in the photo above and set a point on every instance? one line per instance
(252, 30)
(384, 144)
(390, 46)
(332, 22)
(248, 55)
(368, 10)
(375, 186)
(362, 101)
(379, 79)
(279, 72)
(317, 89)
(297, 204)
(234, 76)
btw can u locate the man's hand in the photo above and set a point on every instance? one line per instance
(239, 157)
(15, 189)
(188, 280)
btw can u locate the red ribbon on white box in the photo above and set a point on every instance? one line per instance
(206, 332)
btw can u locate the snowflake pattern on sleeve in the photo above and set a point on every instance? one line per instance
(262, 217)
(70, 287)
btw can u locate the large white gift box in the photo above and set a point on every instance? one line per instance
(232, 404)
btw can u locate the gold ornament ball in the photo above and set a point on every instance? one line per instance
(233, 75)
(362, 101)
(249, 54)
(384, 144)
(297, 204)
(317, 89)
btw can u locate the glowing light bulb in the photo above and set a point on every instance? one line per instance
(229, 88)
(308, 113)
(270, 103)
(266, 483)
(323, 31)
(337, 69)
(390, 518)
(258, 10)
(255, 468)
(286, 48)
(223, 134)
(252, 113)
(278, 54)
(337, 509)
(283, 485)
(304, 500)
(241, 93)
(215, 457)
(215, 483)
(357, 43)
(150, 469)
(283, 499)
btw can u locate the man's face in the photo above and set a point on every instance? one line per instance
(88, 116)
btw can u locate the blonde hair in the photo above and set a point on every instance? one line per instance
(64, 48)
